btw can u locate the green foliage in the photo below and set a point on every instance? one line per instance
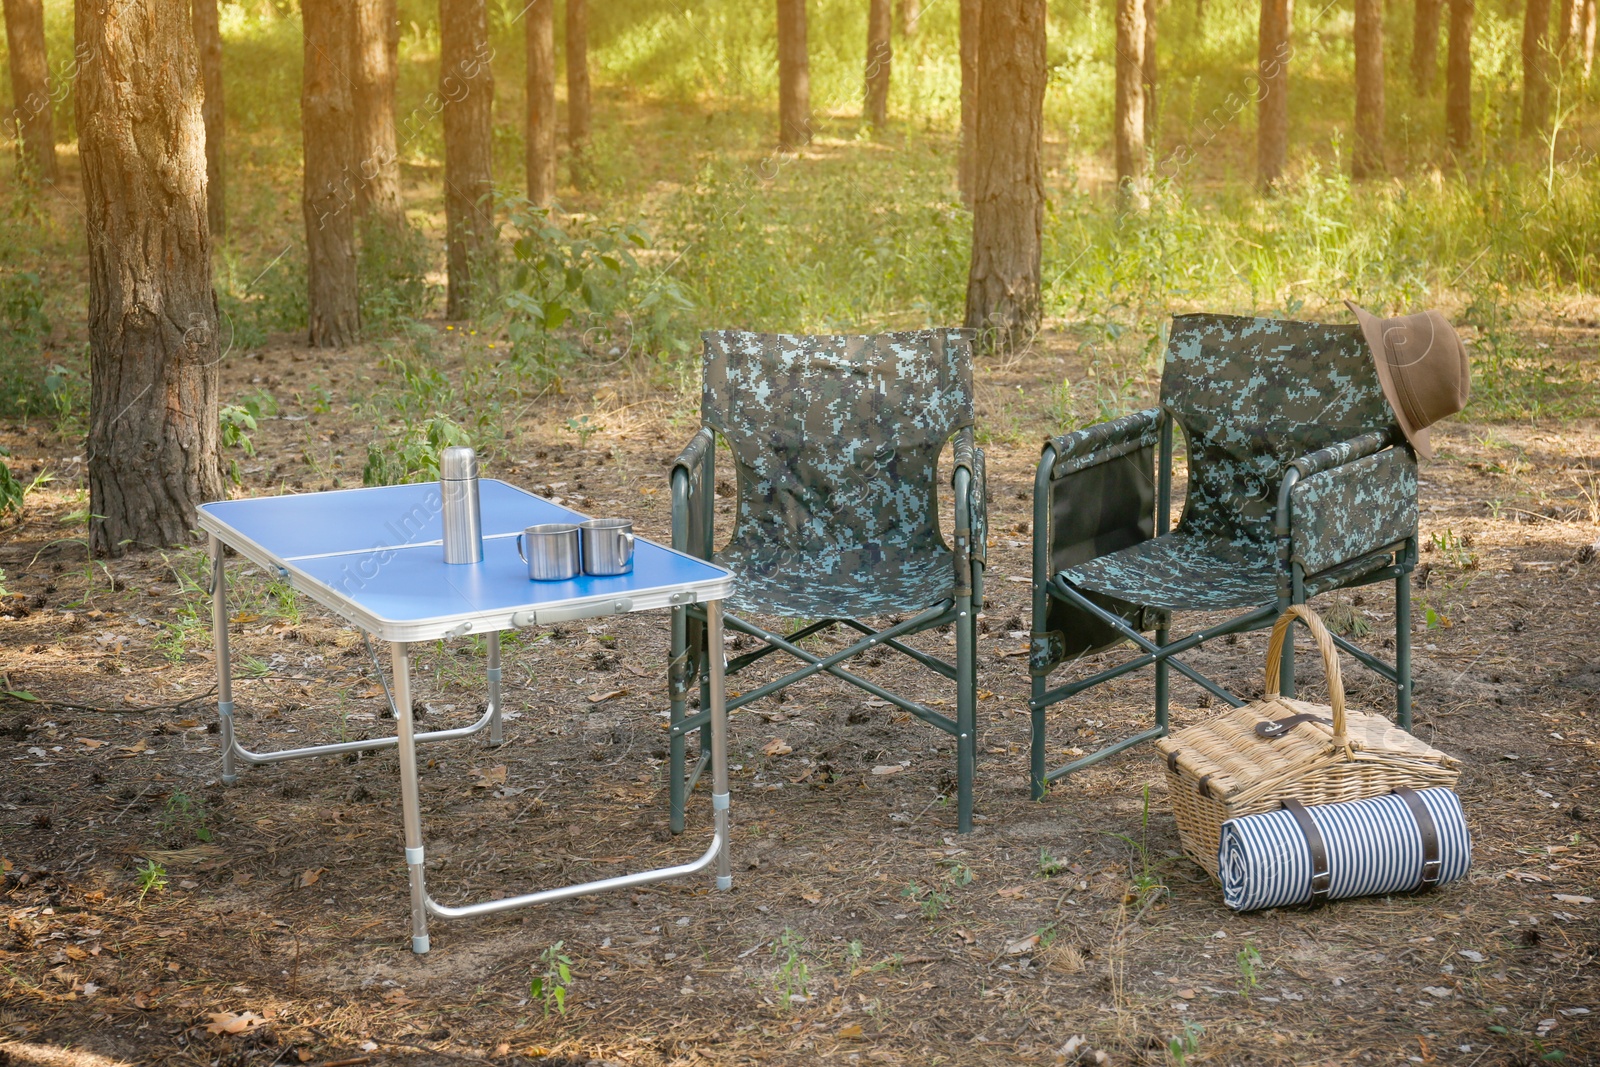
(1049, 866)
(12, 491)
(581, 289)
(1249, 962)
(392, 269)
(552, 977)
(152, 878)
(238, 423)
(794, 974)
(1185, 1044)
(184, 817)
(412, 455)
(930, 902)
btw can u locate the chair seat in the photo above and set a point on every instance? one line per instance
(854, 584)
(1182, 572)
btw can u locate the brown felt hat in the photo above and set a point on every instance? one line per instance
(1422, 365)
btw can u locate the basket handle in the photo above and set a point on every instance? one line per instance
(1330, 662)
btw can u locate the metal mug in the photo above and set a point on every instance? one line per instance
(552, 553)
(607, 546)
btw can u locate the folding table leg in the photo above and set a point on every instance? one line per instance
(410, 800)
(495, 732)
(219, 634)
(716, 685)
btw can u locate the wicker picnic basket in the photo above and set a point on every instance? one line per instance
(1250, 759)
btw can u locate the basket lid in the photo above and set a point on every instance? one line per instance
(1242, 749)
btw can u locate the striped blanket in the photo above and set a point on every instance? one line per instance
(1372, 847)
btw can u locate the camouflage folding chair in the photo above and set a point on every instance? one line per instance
(1300, 482)
(836, 444)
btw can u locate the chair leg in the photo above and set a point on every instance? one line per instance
(1161, 687)
(1038, 788)
(966, 711)
(1402, 650)
(1286, 661)
(677, 693)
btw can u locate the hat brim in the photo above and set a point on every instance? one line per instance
(1372, 330)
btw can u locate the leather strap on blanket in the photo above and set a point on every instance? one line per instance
(1321, 875)
(1430, 837)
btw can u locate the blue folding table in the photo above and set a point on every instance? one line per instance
(375, 557)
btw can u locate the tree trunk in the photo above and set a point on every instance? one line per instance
(325, 128)
(1366, 158)
(1272, 138)
(794, 76)
(30, 89)
(1458, 76)
(578, 90)
(467, 85)
(540, 29)
(1425, 46)
(153, 432)
(1008, 189)
(208, 44)
(1128, 131)
(971, 15)
(879, 56)
(1588, 38)
(374, 63)
(1150, 73)
(1535, 67)
(1569, 27)
(909, 13)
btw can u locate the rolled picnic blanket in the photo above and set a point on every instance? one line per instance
(1409, 839)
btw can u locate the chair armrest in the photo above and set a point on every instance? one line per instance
(1349, 507)
(972, 510)
(1368, 444)
(1104, 442)
(693, 454)
(692, 499)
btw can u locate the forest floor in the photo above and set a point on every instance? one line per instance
(147, 905)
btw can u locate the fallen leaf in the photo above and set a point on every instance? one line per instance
(1573, 1012)
(876, 703)
(1570, 898)
(853, 1032)
(1026, 944)
(134, 749)
(398, 996)
(777, 747)
(488, 777)
(599, 698)
(244, 617)
(811, 896)
(1186, 994)
(892, 768)
(89, 742)
(1011, 891)
(1471, 954)
(1438, 991)
(228, 1022)
(309, 877)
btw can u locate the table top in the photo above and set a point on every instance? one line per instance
(375, 557)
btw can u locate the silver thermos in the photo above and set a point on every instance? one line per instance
(458, 484)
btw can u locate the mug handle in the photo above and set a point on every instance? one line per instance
(519, 549)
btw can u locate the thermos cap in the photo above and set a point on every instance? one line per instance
(458, 462)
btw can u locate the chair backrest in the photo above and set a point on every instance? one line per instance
(1252, 396)
(836, 439)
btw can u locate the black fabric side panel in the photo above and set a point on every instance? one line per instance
(1094, 512)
